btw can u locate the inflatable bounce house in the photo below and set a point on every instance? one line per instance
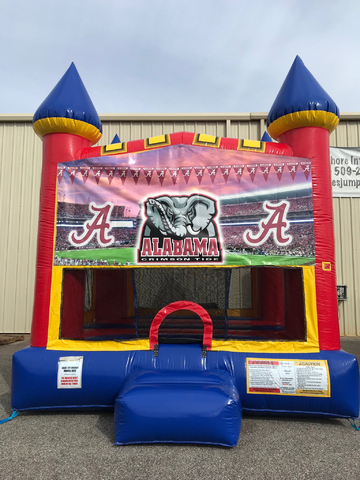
(184, 279)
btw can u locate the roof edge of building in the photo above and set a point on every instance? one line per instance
(116, 117)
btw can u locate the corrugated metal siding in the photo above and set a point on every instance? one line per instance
(128, 131)
(19, 205)
(20, 169)
(347, 228)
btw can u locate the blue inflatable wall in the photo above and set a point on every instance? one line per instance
(35, 370)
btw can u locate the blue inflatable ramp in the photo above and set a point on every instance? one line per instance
(178, 407)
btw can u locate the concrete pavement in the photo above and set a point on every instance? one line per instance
(80, 446)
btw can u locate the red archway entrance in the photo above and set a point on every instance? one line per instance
(182, 305)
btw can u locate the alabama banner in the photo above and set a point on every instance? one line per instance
(185, 205)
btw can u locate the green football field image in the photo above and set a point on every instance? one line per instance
(127, 255)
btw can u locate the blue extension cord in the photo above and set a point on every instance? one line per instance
(14, 414)
(353, 424)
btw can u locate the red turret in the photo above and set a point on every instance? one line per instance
(303, 116)
(67, 122)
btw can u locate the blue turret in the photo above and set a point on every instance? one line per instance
(301, 102)
(116, 139)
(266, 137)
(68, 109)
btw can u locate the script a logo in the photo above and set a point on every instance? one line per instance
(99, 225)
(274, 223)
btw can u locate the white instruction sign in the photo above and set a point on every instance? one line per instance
(308, 378)
(69, 372)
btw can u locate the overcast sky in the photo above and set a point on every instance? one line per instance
(162, 56)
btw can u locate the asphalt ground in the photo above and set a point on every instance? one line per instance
(80, 446)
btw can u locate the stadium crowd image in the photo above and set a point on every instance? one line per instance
(185, 279)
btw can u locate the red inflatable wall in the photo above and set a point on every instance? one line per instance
(57, 147)
(313, 143)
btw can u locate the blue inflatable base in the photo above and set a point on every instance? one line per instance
(35, 370)
(178, 407)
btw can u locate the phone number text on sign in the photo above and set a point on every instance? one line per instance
(345, 172)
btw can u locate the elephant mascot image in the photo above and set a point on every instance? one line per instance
(180, 217)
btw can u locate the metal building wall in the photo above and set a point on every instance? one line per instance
(347, 229)
(20, 166)
(20, 169)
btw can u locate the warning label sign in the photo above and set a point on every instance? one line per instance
(69, 372)
(308, 378)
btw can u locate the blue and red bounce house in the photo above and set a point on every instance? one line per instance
(186, 278)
